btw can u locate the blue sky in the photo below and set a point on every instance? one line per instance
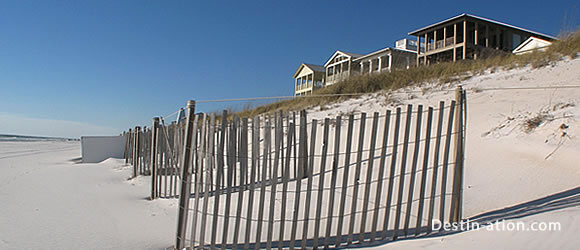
(71, 68)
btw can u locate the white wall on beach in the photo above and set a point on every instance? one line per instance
(98, 148)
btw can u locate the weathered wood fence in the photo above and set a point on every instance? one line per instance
(137, 151)
(286, 181)
(156, 152)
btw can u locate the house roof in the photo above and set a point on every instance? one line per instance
(541, 35)
(374, 53)
(383, 50)
(529, 41)
(355, 55)
(313, 67)
(349, 54)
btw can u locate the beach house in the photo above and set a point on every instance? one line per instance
(308, 77)
(342, 65)
(468, 36)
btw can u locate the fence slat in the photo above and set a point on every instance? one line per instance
(333, 181)
(169, 164)
(178, 161)
(360, 146)
(243, 158)
(231, 172)
(208, 137)
(309, 173)
(402, 171)
(136, 152)
(165, 162)
(294, 147)
(255, 167)
(424, 171)
(458, 156)
(220, 173)
(154, 134)
(171, 146)
(278, 134)
(392, 171)
(413, 168)
(301, 160)
(446, 161)
(435, 166)
(383, 159)
(266, 155)
(369, 175)
(196, 171)
(285, 177)
(320, 196)
(185, 184)
(345, 178)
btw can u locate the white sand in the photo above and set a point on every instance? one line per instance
(508, 166)
(50, 202)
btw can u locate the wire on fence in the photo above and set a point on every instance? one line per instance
(329, 217)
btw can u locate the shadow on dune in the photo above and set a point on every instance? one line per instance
(565, 199)
(561, 200)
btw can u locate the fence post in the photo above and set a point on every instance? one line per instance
(457, 198)
(185, 179)
(136, 151)
(154, 133)
(128, 146)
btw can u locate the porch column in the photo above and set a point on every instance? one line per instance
(475, 35)
(426, 43)
(464, 38)
(380, 63)
(333, 77)
(444, 36)
(435, 39)
(455, 42)
(418, 48)
(347, 68)
(362, 67)
(391, 61)
(497, 41)
(296, 85)
(487, 35)
(371, 66)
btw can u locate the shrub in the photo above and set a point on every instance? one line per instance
(568, 45)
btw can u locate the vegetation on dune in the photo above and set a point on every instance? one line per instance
(567, 46)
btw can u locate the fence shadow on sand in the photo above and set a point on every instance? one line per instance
(561, 200)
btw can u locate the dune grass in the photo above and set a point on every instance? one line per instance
(567, 46)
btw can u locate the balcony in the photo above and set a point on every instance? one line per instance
(304, 86)
(440, 44)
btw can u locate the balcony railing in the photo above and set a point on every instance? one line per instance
(449, 41)
(304, 86)
(440, 44)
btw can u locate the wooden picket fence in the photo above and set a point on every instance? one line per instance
(282, 181)
(137, 150)
(156, 152)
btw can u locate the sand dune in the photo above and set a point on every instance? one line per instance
(512, 172)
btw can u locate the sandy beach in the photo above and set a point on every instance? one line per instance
(50, 201)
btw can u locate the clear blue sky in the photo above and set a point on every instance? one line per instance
(69, 68)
